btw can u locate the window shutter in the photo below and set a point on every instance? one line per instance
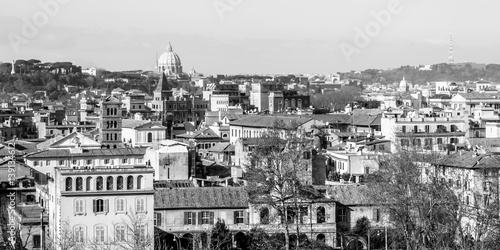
(212, 218)
(186, 214)
(199, 218)
(95, 205)
(193, 218)
(247, 218)
(106, 205)
(235, 221)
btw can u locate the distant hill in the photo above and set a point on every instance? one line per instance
(458, 72)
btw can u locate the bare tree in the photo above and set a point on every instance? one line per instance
(278, 171)
(421, 206)
(66, 239)
(137, 237)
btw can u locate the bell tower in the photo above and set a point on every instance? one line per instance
(110, 123)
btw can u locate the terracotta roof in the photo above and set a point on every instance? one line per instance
(197, 198)
(469, 159)
(132, 123)
(366, 120)
(90, 152)
(260, 121)
(350, 194)
(333, 118)
(206, 133)
(477, 95)
(21, 170)
(222, 147)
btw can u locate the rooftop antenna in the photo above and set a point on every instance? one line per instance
(450, 56)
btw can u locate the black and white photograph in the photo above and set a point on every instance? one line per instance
(249, 125)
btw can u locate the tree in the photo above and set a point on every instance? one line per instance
(424, 210)
(137, 237)
(67, 239)
(362, 226)
(221, 238)
(277, 173)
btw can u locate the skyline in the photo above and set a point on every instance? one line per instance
(251, 37)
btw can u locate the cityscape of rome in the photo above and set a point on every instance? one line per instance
(249, 125)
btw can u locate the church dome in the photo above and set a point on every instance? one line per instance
(169, 62)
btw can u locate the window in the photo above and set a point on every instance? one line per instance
(109, 183)
(140, 205)
(74, 162)
(79, 206)
(320, 215)
(120, 205)
(139, 182)
(99, 233)
(120, 233)
(61, 162)
(101, 206)
(376, 215)
(239, 217)
(264, 216)
(403, 129)
(342, 215)
(99, 185)
(69, 184)
(88, 183)
(142, 231)
(35, 163)
(130, 182)
(106, 161)
(79, 233)
(189, 218)
(157, 219)
(79, 184)
(47, 163)
(37, 241)
(124, 161)
(119, 183)
(89, 162)
(205, 217)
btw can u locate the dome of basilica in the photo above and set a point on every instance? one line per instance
(169, 62)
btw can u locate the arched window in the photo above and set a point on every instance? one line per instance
(99, 185)
(264, 216)
(107, 111)
(116, 136)
(69, 184)
(320, 215)
(293, 103)
(119, 183)
(116, 124)
(107, 137)
(79, 184)
(107, 124)
(299, 103)
(109, 183)
(139, 182)
(150, 137)
(130, 182)
(88, 184)
(320, 238)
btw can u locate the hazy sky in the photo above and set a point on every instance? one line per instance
(251, 36)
